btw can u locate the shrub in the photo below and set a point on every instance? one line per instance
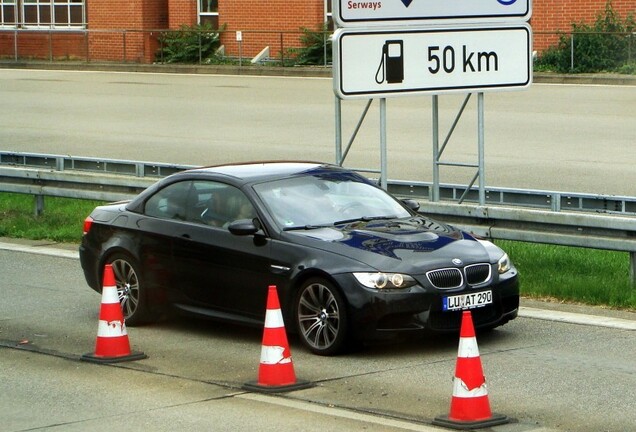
(189, 44)
(315, 44)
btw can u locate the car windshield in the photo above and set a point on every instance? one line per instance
(311, 201)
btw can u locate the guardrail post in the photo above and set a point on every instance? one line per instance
(39, 205)
(632, 268)
(556, 202)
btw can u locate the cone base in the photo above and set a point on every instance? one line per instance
(494, 420)
(90, 357)
(298, 385)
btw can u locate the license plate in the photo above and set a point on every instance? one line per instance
(467, 301)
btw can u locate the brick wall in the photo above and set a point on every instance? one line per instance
(121, 29)
(38, 45)
(550, 16)
(273, 23)
(181, 12)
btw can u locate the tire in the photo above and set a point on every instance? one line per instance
(321, 317)
(130, 289)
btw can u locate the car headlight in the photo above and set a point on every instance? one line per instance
(503, 265)
(496, 253)
(381, 280)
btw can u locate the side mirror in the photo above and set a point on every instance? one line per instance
(243, 227)
(412, 204)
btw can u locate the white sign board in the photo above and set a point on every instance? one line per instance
(364, 13)
(395, 62)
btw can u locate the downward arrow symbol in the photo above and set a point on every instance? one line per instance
(407, 3)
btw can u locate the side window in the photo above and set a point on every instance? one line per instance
(169, 202)
(217, 204)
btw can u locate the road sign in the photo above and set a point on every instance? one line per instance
(365, 13)
(395, 62)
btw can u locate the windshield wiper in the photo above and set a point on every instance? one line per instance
(305, 227)
(364, 219)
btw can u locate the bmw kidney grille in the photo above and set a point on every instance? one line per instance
(448, 278)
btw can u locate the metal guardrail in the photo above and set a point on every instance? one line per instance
(99, 165)
(596, 231)
(101, 187)
(550, 200)
(590, 221)
(78, 177)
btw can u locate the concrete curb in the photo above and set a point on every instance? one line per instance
(41, 249)
(249, 70)
(577, 318)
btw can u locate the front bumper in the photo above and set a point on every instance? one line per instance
(377, 315)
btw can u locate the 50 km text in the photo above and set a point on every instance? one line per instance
(445, 59)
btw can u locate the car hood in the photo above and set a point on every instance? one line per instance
(409, 245)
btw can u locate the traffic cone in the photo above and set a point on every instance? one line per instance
(276, 369)
(112, 344)
(470, 408)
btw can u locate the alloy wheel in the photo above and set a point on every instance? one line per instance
(320, 317)
(128, 289)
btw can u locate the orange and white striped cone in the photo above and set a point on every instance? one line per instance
(276, 369)
(112, 344)
(470, 407)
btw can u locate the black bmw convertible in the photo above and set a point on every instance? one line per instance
(351, 262)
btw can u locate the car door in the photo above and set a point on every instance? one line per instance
(215, 268)
(162, 216)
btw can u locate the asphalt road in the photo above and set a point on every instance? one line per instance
(559, 375)
(570, 138)
(545, 374)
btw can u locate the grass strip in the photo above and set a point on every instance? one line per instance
(571, 274)
(62, 221)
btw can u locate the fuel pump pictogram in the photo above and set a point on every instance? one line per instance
(391, 68)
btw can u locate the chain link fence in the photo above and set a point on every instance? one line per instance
(586, 51)
(284, 48)
(570, 52)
